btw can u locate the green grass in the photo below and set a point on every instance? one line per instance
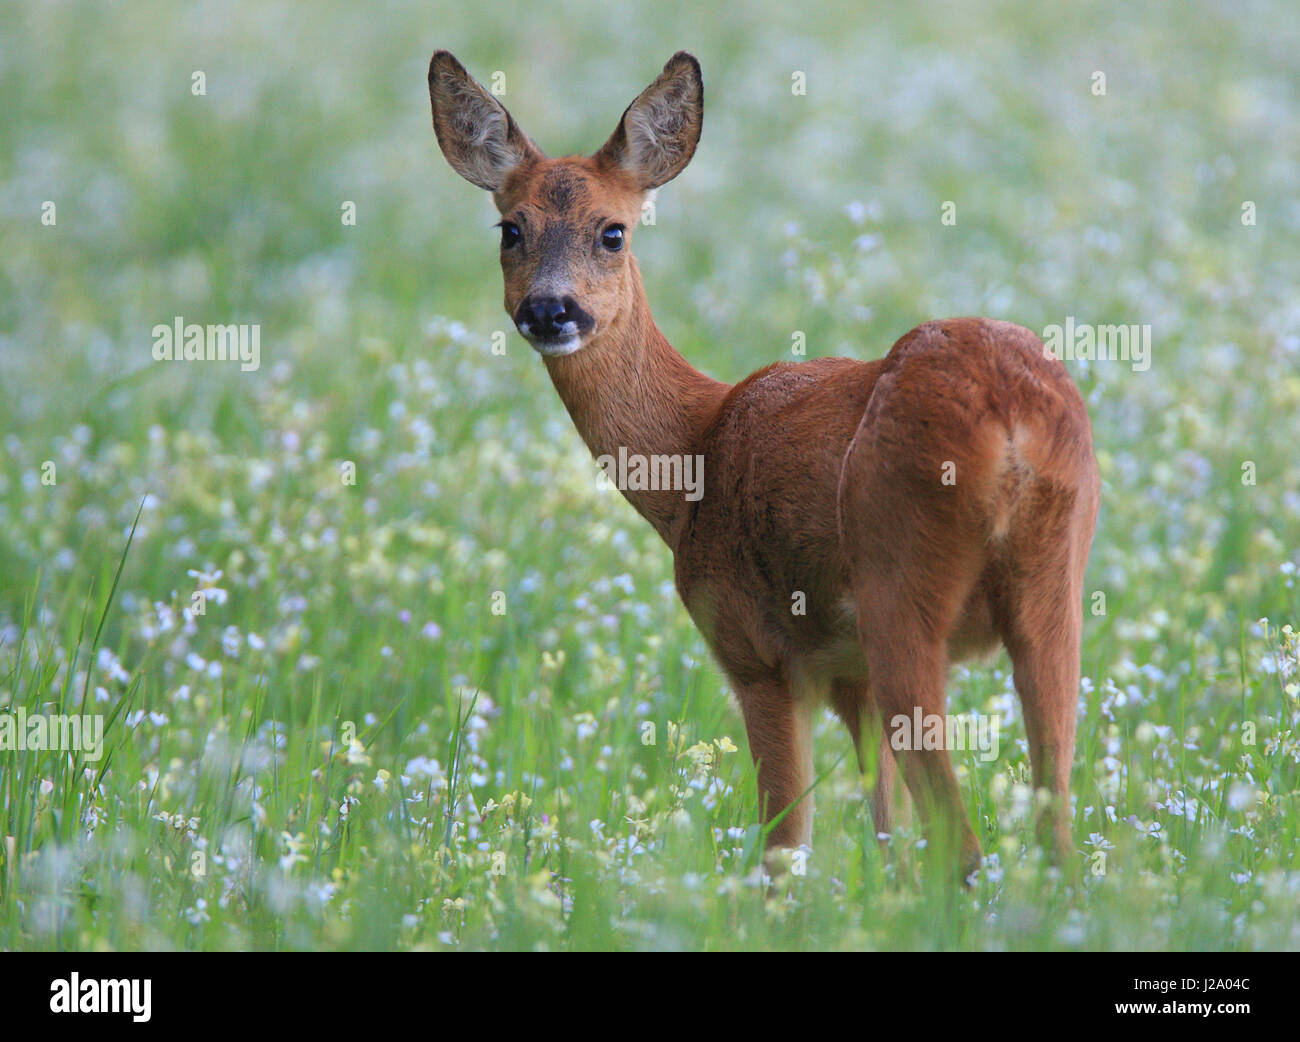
(349, 749)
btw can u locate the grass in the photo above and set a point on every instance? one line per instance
(350, 748)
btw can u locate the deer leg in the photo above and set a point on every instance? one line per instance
(853, 704)
(779, 728)
(1043, 640)
(909, 669)
(1040, 616)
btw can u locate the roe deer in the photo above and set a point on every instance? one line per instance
(921, 508)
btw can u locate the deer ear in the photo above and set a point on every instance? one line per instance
(475, 132)
(658, 133)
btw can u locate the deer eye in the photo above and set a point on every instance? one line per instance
(509, 234)
(612, 237)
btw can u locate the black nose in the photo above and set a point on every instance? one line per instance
(546, 316)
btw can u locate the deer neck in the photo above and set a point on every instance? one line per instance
(635, 401)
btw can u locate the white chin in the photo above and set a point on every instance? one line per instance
(556, 348)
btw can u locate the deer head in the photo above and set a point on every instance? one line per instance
(566, 224)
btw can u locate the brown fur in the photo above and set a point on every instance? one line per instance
(822, 478)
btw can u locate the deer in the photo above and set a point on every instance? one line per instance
(923, 508)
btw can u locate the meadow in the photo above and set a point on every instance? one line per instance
(380, 664)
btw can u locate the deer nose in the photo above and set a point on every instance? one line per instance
(545, 316)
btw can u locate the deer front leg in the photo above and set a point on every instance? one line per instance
(779, 727)
(854, 705)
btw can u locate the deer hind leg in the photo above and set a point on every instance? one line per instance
(1046, 666)
(854, 705)
(779, 728)
(910, 590)
(1041, 620)
(909, 670)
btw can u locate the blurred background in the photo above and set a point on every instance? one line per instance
(834, 134)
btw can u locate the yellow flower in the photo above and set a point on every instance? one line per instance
(701, 754)
(551, 664)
